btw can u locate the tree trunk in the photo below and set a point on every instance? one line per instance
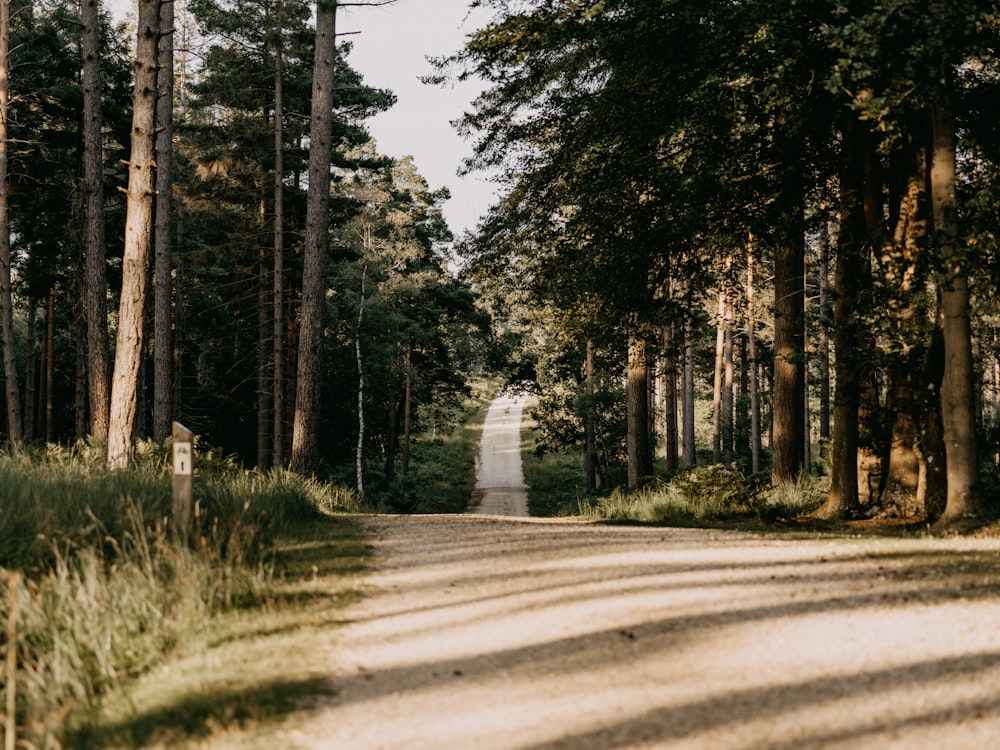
(933, 488)
(788, 419)
(590, 421)
(687, 398)
(823, 343)
(958, 407)
(726, 425)
(392, 438)
(163, 349)
(407, 410)
(80, 378)
(278, 301)
(177, 358)
(360, 452)
(30, 373)
(264, 348)
(95, 260)
(669, 400)
(902, 475)
(6, 299)
(752, 353)
(50, 362)
(637, 393)
(901, 483)
(138, 226)
(720, 343)
(842, 499)
(305, 430)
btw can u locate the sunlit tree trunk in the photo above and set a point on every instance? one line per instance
(687, 398)
(669, 400)
(901, 485)
(957, 390)
(138, 227)
(6, 299)
(720, 343)
(726, 425)
(95, 260)
(637, 394)
(305, 430)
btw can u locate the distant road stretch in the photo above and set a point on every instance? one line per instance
(500, 488)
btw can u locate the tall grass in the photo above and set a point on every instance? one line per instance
(109, 589)
(706, 495)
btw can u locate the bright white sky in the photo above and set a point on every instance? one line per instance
(391, 52)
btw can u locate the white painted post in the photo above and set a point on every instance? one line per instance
(183, 490)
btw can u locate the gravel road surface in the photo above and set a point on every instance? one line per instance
(484, 632)
(500, 488)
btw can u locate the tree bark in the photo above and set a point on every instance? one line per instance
(720, 343)
(407, 409)
(823, 342)
(637, 393)
(50, 362)
(278, 278)
(360, 451)
(305, 430)
(788, 441)
(687, 399)
(957, 391)
(138, 227)
(95, 256)
(6, 298)
(727, 425)
(163, 349)
(590, 421)
(669, 400)
(752, 352)
(264, 349)
(30, 373)
(842, 499)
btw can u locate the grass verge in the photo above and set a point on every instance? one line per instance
(709, 495)
(239, 678)
(109, 591)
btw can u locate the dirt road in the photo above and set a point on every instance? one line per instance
(487, 633)
(482, 632)
(500, 488)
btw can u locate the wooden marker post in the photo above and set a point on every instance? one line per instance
(183, 496)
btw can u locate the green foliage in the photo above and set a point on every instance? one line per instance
(442, 464)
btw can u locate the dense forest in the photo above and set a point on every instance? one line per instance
(761, 235)
(784, 209)
(173, 267)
